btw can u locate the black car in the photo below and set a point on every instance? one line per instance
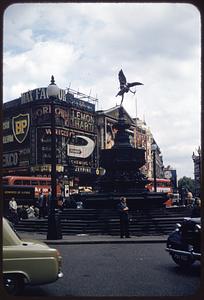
(184, 243)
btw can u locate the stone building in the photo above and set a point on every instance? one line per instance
(197, 171)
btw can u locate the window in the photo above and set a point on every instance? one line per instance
(18, 182)
(34, 182)
(25, 182)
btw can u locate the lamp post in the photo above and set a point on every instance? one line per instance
(54, 228)
(154, 147)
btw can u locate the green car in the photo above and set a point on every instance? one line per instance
(27, 262)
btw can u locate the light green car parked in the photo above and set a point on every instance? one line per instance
(27, 262)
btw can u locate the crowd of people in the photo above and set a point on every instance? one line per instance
(42, 206)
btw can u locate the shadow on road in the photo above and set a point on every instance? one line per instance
(192, 271)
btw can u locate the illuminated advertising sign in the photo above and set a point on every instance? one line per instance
(27, 134)
(17, 158)
(82, 120)
(16, 141)
(73, 146)
(20, 126)
(82, 152)
(39, 94)
(41, 115)
(15, 130)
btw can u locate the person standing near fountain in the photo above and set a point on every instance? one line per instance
(124, 218)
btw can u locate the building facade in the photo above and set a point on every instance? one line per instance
(197, 171)
(171, 173)
(27, 135)
(81, 132)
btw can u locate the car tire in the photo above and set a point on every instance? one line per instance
(13, 283)
(184, 263)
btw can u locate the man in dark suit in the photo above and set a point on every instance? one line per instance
(124, 218)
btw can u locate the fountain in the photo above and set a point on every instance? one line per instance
(122, 176)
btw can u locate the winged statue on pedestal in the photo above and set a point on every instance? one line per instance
(125, 86)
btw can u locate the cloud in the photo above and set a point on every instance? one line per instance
(45, 58)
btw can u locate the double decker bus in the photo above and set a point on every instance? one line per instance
(163, 185)
(39, 183)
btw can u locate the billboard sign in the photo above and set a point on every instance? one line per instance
(20, 126)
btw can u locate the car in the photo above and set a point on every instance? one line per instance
(27, 262)
(184, 243)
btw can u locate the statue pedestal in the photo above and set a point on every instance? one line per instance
(123, 176)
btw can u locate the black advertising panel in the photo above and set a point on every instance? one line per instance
(16, 138)
(41, 114)
(44, 144)
(75, 147)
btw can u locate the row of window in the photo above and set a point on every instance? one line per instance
(29, 182)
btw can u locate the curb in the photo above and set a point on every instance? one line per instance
(88, 239)
(96, 240)
(102, 242)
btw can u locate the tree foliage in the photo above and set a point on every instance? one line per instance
(187, 184)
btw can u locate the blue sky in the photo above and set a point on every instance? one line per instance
(85, 45)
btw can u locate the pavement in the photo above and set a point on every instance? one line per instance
(92, 239)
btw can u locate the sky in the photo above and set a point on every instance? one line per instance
(84, 45)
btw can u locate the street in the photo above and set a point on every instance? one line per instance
(120, 270)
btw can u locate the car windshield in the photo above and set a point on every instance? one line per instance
(11, 224)
(10, 236)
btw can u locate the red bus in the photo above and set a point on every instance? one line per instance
(163, 185)
(39, 183)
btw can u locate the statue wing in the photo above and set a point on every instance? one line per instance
(122, 78)
(134, 83)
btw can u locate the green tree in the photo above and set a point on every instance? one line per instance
(187, 183)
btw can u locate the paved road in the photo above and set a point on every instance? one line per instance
(120, 270)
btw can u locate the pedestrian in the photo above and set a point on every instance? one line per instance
(124, 218)
(60, 202)
(30, 211)
(23, 213)
(169, 201)
(49, 199)
(196, 208)
(189, 199)
(42, 205)
(13, 211)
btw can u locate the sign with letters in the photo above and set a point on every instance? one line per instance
(39, 94)
(20, 126)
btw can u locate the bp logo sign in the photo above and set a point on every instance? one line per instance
(20, 125)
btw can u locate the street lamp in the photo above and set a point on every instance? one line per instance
(54, 228)
(154, 148)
